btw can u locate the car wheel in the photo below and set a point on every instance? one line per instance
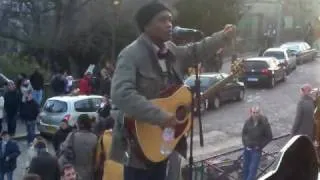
(241, 95)
(272, 83)
(216, 103)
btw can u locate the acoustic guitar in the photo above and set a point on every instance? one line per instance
(176, 100)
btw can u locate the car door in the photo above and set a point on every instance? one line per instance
(308, 52)
(228, 89)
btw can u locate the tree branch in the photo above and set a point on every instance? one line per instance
(13, 37)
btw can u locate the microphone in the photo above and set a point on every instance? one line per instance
(177, 30)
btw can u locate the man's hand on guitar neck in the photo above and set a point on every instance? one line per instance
(170, 122)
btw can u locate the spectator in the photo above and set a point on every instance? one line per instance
(105, 121)
(60, 136)
(304, 122)
(28, 113)
(37, 83)
(74, 152)
(11, 106)
(58, 84)
(25, 89)
(44, 164)
(85, 86)
(31, 177)
(8, 158)
(256, 134)
(69, 173)
(1, 111)
(105, 79)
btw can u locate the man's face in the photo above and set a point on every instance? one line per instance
(6, 137)
(160, 26)
(255, 113)
(70, 174)
(64, 125)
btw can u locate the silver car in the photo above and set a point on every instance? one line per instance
(58, 108)
(285, 57)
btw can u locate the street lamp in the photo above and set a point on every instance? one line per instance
(116, 6)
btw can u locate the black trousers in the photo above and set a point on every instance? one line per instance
(12, 124)
(156, 172)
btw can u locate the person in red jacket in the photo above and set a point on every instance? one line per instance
(85, 86)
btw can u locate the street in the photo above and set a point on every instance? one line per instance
(222, 127)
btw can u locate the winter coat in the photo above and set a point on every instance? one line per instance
(29, 110)
(59, 137)
(12, 152)
(82, 145)
(37, 81)
(304, 122)
(11, 103)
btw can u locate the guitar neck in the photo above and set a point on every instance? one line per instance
(217, 86)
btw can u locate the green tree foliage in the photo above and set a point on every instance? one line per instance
(207, 15)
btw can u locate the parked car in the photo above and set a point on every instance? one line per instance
(302, 50)
(263, 70)
(234, 90)
(286, 57)
(58, 108)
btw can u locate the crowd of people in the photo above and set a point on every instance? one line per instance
(75, 154)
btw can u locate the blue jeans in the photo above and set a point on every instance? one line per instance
(31, 131)
(251, 163)
(37, 95)
(8, 174)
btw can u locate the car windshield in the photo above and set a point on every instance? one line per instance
(87, 105)
(205, 81)
(55, 106)
(294, 47)
(255, 65)
(276, 54)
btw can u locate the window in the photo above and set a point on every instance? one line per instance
(205, 81)
(87, 105)
(55, 106)
(276, 54)
(256, 65)
(307, 46)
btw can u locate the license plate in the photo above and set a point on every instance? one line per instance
(51, 129)
(253, 79)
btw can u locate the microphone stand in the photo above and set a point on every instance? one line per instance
(196, 104)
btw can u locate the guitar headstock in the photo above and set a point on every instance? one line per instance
(237, 67)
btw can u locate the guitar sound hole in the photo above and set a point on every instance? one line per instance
(181, 113)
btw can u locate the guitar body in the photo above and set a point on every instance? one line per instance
(149, 137)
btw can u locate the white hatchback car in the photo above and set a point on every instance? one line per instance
(66, 107)
(285, 57)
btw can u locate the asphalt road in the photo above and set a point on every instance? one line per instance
(222, 127)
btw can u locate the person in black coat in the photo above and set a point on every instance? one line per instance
(37, 83)
(28, 113)
(8, 156)
(44, 164)
(11, 107)
(61, 135)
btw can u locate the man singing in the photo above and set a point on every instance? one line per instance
(145, 67)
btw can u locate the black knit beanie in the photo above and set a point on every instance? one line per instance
(147, 12)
